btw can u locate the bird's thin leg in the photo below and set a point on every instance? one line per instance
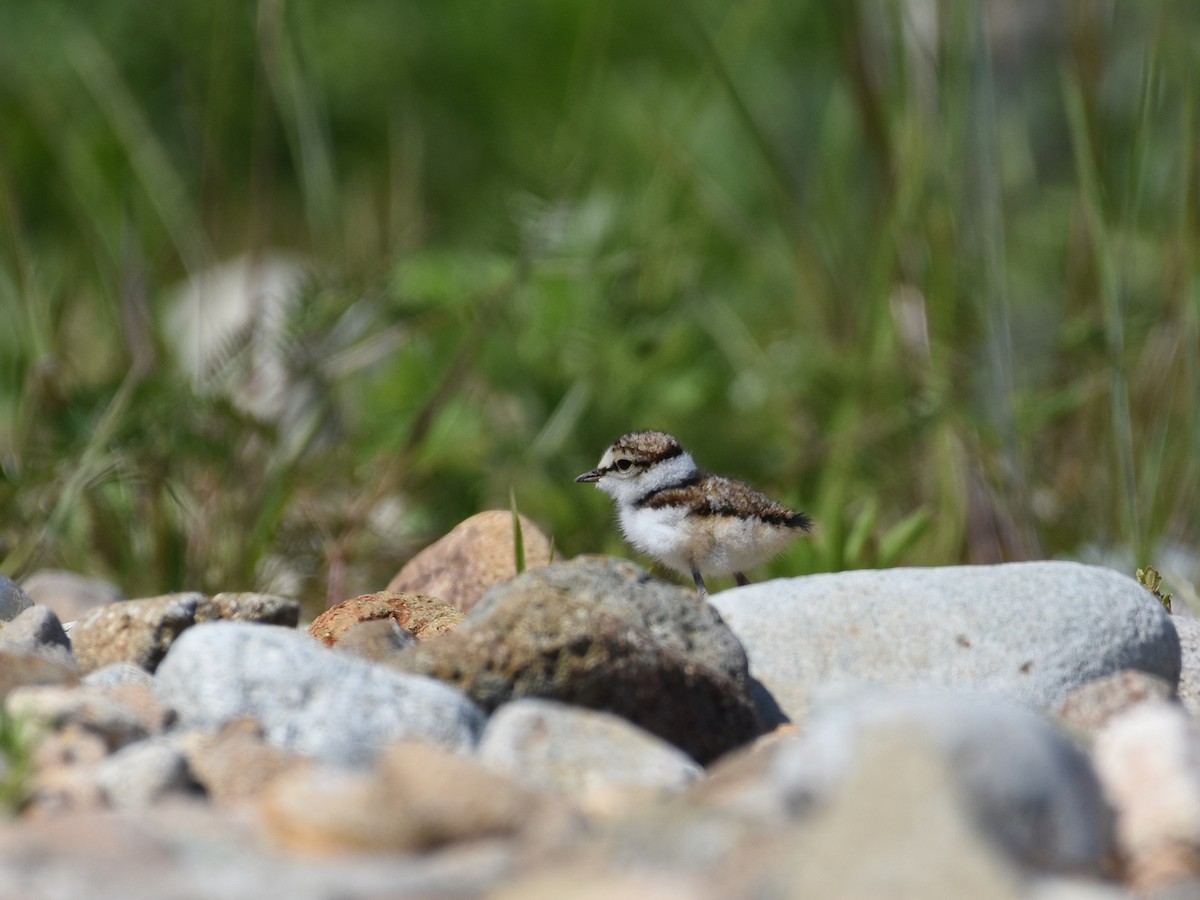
(699, 582)
(741, 579)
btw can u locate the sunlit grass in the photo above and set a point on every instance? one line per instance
(935, 283)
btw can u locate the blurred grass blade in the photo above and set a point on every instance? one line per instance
(902, 537)
(518, 537)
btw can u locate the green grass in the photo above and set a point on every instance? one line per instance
(941, 291)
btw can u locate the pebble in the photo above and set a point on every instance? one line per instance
(13, 600)
(476, 554)
(307, 698)
(591, 756)
(420, 615)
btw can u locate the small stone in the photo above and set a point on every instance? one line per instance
(589, 755)
(145, 773)
(421, 616)
(375, 641)
(136, 631)
(37, 630)
(418, 797)
(119, 673)
(307, 698)
(266, 609)
(476, 554)
(1088, 708)
(1189, 675)
(141, 631)
(236, 765)
(18, 669)
(70, 595)
(1149, 761)
(13, 600)
(54, 708)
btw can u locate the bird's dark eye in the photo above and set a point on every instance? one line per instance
(624, 464)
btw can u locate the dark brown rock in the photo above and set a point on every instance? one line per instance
(420, 615)
(539, 640)
(476, 554)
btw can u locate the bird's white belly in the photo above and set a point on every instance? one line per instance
(717, 545)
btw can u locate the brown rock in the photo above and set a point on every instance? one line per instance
(375, 641)
(418, 797)
(141, 631)
(236, 765)
(269, 609)
(136, 631)
(18, 668)
(475, 555)
(418, 614)
(1089, 707)
(94, 710)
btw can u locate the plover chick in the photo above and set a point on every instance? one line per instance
(699, 524)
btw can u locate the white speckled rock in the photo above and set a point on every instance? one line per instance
(307, 698)
(1031, 631)
(557, 747)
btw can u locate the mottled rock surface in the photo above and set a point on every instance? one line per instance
(538, 636)
(13, 600)
(141, 631)
(420, 615)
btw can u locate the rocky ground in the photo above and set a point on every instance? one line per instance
(585, 730)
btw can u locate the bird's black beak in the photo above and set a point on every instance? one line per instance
(593, 475)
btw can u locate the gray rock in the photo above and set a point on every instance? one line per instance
(1032, 631)
(144, 773)
(37, 630)
(1189, 676)
(675, 617)
(69, 594)
(307, 698)
(117, 674)
(1026, 785)
(559, 748)
(13, 600)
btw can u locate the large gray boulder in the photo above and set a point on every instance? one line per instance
(308, 699)
(1030, 631)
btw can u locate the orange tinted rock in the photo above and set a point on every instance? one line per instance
(420, 615)
(475, 555)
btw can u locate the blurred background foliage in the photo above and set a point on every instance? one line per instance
(928, 270)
